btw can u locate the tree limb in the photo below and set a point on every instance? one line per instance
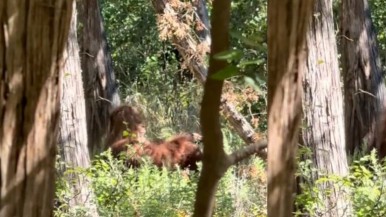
(214, 159)
(246, 152)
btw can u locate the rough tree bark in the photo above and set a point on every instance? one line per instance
(323, 107)
(188, 46)
(100, 86)
(364, 89)
(72, 138)
(215, 160)
(287, 26)
(32, 38)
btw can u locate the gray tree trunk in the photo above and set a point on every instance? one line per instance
(32, 38)
(364, 89)
(72, 137)
(100, 86)
(323, 129)
(287, 27)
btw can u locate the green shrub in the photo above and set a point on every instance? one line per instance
(150, 191)
(365, 184)
(147, 191)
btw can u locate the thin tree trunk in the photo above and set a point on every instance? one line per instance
(287, 26)
(364, 89)
(215, 160)
(187, 46)
(323, 107)
(98, 76)
(32, 38)
(72, 137)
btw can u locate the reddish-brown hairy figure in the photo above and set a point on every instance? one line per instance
(126, 127)
(179, 150)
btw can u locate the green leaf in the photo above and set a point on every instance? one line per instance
(250, 81)
(229, 55)
(253, 42)
(225, 73)
(125, 133)
(251, 62)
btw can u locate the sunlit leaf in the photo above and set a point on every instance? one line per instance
(229, 55)
(320, 62)
(253, 42)
(225, 73)
(125, 133)
(251, 62)
(253, 84)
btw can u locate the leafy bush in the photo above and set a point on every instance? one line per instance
(67, 177)
(366, 185)
(149, 191)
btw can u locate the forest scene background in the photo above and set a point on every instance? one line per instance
(153, 76)
(331, 145)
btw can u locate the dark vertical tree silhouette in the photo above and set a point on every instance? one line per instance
(215, 160)
(101, 90)
(364, 90)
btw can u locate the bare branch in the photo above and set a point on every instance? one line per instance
(247, 151)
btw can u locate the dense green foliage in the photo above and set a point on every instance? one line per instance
(149, 191)
(364, 186)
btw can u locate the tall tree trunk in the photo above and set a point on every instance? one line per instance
(98, 76)
(364, 89)
(215, 160)
(287, 26)
(32, 38)
(72, 137)
(323, 106)
(188, 46)
(214, 154)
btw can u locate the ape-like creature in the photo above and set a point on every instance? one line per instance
(179, 150)
(127, 135)
(125, 127)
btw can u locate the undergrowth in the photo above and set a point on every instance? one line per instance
(149, 191)
(364, 187)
